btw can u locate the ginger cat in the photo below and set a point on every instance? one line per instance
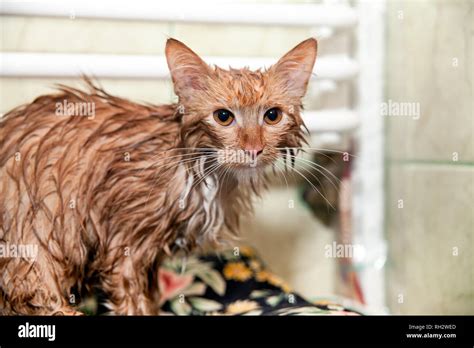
(104, 197)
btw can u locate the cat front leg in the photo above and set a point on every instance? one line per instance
(37, 288)
(132, 287)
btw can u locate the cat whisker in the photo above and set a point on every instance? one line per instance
(210, 171)
(195, 151)
(312, 185)
(315, 149)
(316, 167)
(316, 152)
(169, 157)
(227, 170)
(185, 148)
(318, 180)
(304, 168)
(283, 153)
(205, 174)
(281, 173)
(169, 166)
(177, 163)
(180, 160)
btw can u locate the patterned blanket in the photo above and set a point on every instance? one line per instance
(233, 282)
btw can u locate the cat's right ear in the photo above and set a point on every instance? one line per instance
(188, 72)
(294, 69)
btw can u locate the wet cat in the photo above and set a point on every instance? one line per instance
(105, 187)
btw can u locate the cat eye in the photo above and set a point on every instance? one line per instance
(273, 116)
(223, 117)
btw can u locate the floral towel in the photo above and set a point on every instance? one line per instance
(234, 282)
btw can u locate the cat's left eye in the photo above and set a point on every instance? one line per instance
(273, 116)
(223, 117)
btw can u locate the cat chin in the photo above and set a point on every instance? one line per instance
(246, 173)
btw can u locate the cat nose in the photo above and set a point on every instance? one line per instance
(255, 150)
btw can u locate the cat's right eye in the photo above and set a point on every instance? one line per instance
(223, 117)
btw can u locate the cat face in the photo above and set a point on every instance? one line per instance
(247, 116)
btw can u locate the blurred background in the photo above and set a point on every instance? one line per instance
(390, 113)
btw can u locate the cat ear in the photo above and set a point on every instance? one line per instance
(188, 71)
(295, 67)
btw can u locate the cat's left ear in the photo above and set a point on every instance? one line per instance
(188, 71)
(294, 69)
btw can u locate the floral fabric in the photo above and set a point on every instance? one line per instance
(234, 282)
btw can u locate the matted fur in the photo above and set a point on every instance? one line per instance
(105, 198)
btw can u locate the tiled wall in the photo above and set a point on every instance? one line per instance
(430, 160)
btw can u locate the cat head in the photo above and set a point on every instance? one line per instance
(255, 113)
